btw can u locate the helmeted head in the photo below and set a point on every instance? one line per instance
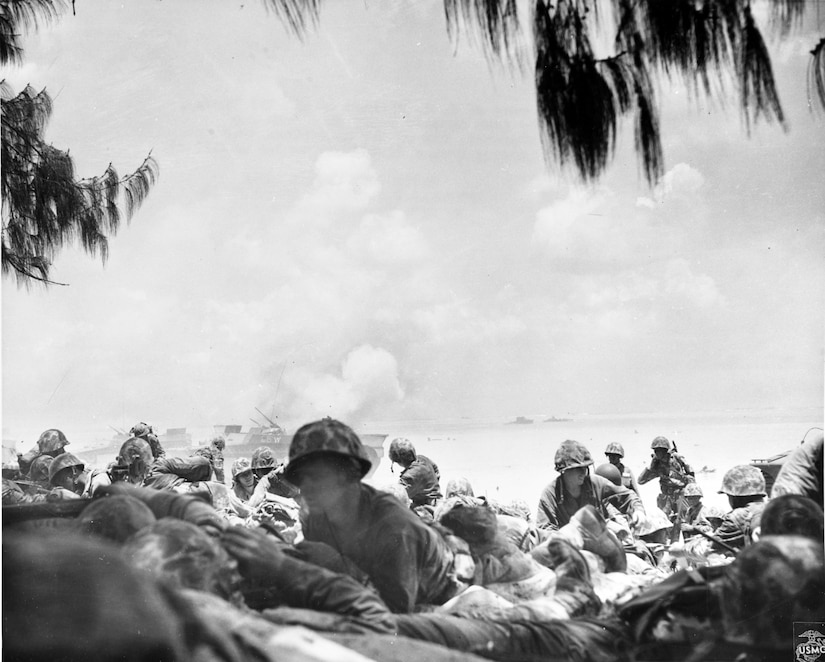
(572, 454)
(141, 430)
(714, 515)
(614, 448)
(743, 480)
(793, 514)
(183, 555)
(655, 526)
(218, 442)
(263, 458)
(64, 471)
(39, 469)
(692, 490)
(52, 442)
(326, 437)
(662, 442)
(610, 472)
(240, 466)
(458, 486)
(402, 452)
(136, 455)
(115, 518)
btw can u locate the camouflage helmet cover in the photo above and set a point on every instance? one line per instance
(743, 480)
(39, 469)
(654, 521)
(263, 457)
(662, 442)
(614, 448)
(134, 449)
(51, 440)
(326, 436)
(572, 454)
(241, 465)
(218, 442)
(63, 461)
(692, 489)
(141, 430)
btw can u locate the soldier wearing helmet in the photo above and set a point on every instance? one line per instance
(693, 516)
(673, 473)
(144, 431)
(217, 444)
(744, 486)
(615, 452)
(134, 462)
(269, 478)
(50, 443)
(408, 561)
(575, 488)
(420, 476)
(65, 474)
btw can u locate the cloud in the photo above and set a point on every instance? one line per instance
(345, 182)
(698, 289)
(389, 239)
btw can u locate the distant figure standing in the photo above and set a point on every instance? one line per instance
(615, 453)
(144, 431)
(216, 446)
(673, 473)
(420, 476)
(52, 442)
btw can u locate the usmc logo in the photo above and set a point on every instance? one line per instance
(813, 649)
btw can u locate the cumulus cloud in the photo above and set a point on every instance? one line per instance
(344, 182)
(698, 289)
(681, 182)
(580, 227)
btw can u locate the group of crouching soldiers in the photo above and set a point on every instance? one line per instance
(156, 558)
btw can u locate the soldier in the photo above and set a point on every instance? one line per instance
(51, 443)
(673, 473)
(615, 453)
(217, 445)
(420, 476)
(269, 477)
(575, 488)
(694, 515)
(144, 431)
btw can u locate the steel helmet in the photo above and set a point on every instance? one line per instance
(134, 449)
(714, 512)
(39, 469)
(52, 440)
(743, 480)
(609, 471)
(63, 461)
(219, 442)
(141, 430)
(572, 454)
(654, 521)
(263, 457)
(326, 436)
(692, 489)
(402, 451)
(662, 442)
(614, 448)
(239, 466)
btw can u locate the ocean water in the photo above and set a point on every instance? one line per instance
(507, 461)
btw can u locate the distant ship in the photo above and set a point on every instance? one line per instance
(522, 420)
(553, 419)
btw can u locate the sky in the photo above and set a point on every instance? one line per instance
(361, 223)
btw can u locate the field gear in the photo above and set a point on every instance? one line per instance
(614, 448)
(61, 462)
(692, 489)
(39, 471)
(326, 436)
(263, 458)
(572, 454)
(52, 440)
(743, 480)
(662, 442)
(402, 452)
(239, 466)
(609, 471)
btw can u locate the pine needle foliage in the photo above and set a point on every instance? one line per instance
(45, 208)
(582, 94)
